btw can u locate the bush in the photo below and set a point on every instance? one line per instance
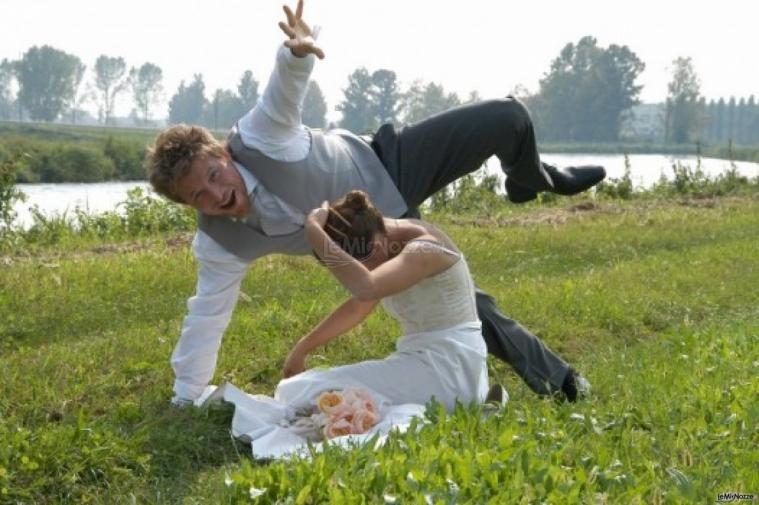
(72, 163)
(127, 157)
(471, 193)
(9, 195)
(618, 188)
(146, 215)
(693, 182)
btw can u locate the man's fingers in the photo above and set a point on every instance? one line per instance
(299, 9)
(304, 47)
(288, 31)
(290, 15)
(312, 48)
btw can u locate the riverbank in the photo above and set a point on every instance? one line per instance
(725, 152)
(654, 301)
(71, 153)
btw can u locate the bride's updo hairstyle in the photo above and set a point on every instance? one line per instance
(352, 223)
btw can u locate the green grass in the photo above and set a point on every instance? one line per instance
(78, 133)
(656, 303)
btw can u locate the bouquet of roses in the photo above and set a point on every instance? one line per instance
(346, 412)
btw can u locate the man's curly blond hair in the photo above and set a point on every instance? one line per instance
(174, 150)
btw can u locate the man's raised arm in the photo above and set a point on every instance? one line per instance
(276, 119)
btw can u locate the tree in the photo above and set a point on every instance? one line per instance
(247, 89)
(753, 120)
(6, 93)
(224, 110)
(81, 96)
(146, 87)
(47, 79)
(314, 106)
(731, 119)
(615, 71)
(357, 105)
(385, 95)
(586, 92)
(421, 102)
(709, 131)
(721, 130)
(110, 80)
(740, 122)
(683, 116)
(188, 103)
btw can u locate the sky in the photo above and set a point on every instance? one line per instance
(488, 45)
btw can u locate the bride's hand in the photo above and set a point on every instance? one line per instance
(294, 364)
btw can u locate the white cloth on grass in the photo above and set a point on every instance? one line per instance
(447, 365)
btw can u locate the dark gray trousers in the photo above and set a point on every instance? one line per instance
(424, 157)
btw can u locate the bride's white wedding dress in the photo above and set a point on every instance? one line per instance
(441, 356)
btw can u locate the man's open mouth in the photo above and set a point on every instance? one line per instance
(230, 201)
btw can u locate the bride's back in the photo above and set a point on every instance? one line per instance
(441, 301)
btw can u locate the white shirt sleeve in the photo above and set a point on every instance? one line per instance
(274, 126)
(209, 312)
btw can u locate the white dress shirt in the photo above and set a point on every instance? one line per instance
(274, 127)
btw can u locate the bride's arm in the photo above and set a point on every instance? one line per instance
(347, 316)
(393, 276)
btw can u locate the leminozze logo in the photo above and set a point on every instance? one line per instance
(728, 497)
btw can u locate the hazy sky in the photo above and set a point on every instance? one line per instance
(486, 45)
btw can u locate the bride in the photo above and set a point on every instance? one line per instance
(422, 280)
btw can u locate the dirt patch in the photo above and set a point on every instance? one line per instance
(550, 216)
(177, 241)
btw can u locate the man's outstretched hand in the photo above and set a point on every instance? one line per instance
(301, 41)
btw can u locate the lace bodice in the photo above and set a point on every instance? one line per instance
(442, 301)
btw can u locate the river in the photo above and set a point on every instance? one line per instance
(98, 197)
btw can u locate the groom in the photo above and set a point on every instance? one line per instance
(253, 192)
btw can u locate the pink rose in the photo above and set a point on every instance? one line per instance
(338, 428)
(342, 411)
(363, 420)
(360, 399)
(329, 401)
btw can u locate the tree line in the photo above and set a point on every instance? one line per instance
(726, 120)
(588, 94)
(51, 84)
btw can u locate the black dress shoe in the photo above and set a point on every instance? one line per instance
(566, 181)
(517, 193)
(573, 180)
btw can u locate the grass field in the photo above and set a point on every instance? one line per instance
(656, 303)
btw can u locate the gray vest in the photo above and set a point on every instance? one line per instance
(337, 162)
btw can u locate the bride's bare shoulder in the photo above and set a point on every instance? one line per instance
(424, 230)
